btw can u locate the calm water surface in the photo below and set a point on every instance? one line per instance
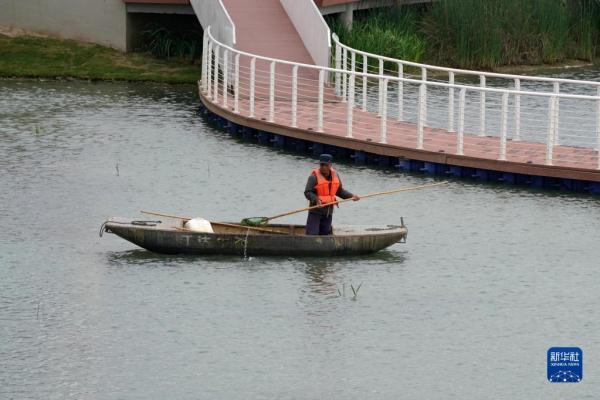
(490, 278)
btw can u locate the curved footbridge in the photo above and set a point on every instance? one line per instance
(272, 72)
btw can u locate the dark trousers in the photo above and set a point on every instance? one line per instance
(318, 224)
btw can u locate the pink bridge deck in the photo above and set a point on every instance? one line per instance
(264, 28)
(404, 134)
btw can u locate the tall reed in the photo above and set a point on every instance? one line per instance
(585, 28)
(489, 33)
(392, 32)
(479, 33)
(166, 43)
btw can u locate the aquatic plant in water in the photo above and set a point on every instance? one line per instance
(166, 43)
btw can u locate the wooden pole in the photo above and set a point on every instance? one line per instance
(366, 196)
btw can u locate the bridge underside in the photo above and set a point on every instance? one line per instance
(343, 7)
(159, 6)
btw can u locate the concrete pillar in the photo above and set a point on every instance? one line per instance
(347, 16)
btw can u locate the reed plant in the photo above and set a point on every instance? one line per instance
(486, 34)
(392, 32)
(165, 43)
(585, 28)
(479, 33)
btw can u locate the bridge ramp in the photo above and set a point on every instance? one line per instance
(264, 28)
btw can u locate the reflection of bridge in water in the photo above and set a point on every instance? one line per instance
(266, 74)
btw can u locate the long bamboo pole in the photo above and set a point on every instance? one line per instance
(366, 196)
(266, 219)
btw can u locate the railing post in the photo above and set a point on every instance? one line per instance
(461, 122)
(503, 127)
(350, 106)
(338, 66)
(550, 135)
(383, 122)
(272, 92)
(295, 96)
(204, 57)
(365, 69)
(556, 114)
(400, 92)
(517, 132)
(421, 116)
(451, 102)
(424, 96)
(320, 106)
(252, 83)
(353, 68)
(209, 62)
(598, 124)
(598, 119)
(225, 76)
(216, 76)
(236, 85)
(381, 72)
(482, 106)
(344, 77)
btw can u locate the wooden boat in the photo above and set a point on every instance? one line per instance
(168, 236)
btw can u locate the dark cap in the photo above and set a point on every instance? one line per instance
(325, 159)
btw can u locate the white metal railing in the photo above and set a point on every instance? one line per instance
(311, 27)
(406, 111)
(340, 47)
(346, 58)
(214, 13)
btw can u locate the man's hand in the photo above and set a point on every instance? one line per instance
(355, 197)
(319, 202)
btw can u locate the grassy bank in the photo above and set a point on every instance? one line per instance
(481, 34)
(40, 57)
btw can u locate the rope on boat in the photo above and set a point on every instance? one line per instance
(138, 223)
(144, 223)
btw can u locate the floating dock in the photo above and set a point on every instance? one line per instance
(524, 130)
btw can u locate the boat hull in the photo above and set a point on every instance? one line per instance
(345, 241)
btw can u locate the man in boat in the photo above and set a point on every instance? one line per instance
(322, 187)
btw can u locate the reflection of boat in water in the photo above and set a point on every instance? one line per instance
(271, 239)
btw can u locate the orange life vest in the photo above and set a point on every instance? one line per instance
(325, 189)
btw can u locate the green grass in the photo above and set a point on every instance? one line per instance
(36, 57)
